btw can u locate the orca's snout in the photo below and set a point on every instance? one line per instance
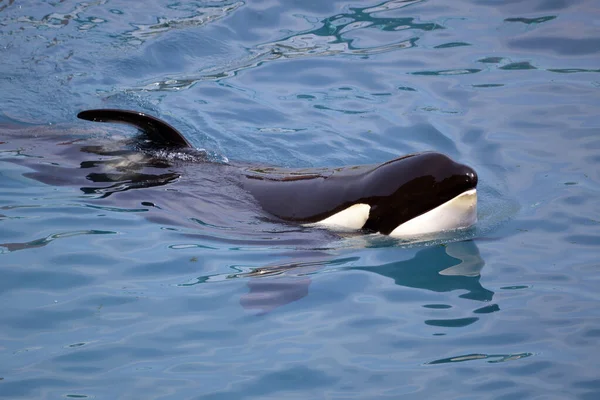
(471, 176)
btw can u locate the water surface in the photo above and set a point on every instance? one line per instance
(155, 293)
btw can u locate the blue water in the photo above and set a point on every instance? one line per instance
(156, 294)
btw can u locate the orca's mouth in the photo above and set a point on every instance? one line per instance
(457, 213)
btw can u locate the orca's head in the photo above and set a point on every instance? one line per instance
(410, 196)
(419, 194)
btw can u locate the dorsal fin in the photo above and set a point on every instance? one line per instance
(157, 131)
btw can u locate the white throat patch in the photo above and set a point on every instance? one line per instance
(460, 212)
(352, 218)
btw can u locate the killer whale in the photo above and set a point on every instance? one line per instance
(416, 194)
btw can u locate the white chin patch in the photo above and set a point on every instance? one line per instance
(352, 218)
(460, 212)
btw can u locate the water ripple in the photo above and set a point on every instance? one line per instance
(60, 20)
(299, 46)
(298, 268)
(199, 283)
(200, 14)
(330, 37)
(11, 247)
(530, 21)
(490, 358)
(558, 45)
(448, 72)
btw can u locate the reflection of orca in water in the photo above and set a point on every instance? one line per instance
(455, 266)
(412, 195)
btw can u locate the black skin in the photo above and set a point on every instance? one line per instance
(156, 130)
(397, 190)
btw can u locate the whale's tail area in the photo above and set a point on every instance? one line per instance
(159, 132)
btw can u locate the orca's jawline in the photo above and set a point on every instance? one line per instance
(458, 213)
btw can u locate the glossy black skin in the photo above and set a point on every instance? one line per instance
(397, 191)
(156, 130)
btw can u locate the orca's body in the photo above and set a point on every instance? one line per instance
(409, 196)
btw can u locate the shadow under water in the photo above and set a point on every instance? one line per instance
(186, 190)
(443, 268)
(440, 268)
